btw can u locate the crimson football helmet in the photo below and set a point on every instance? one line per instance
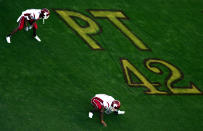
(116, 104)
(45, 13)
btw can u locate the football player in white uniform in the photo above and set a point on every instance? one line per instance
(30, 16)
(105, 103)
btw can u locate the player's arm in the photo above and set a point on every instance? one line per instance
(29, 17)
(26, 23)
(102, 117)
(32, 17)
(92, 111)
(32, 24)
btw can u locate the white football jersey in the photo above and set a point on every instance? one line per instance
(107, 101)
(30, 14)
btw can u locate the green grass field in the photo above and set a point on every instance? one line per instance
(47, 86)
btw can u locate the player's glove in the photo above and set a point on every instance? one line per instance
(121, 112)
(26, 28)
(30, 27)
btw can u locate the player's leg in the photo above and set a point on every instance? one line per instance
(31, 24)
(97, 106)
(34, 25)
(20, 27)
(8, 37)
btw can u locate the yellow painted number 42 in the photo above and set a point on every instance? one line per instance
(174, 76)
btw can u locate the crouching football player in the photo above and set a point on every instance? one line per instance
(105, 103)
(30, 16)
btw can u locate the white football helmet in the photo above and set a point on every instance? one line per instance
(116, 104)
(45, 14)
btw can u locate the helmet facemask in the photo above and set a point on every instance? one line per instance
(46, 15)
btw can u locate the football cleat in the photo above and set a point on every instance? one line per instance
(90, 114)
(37, 38)
(8, 39)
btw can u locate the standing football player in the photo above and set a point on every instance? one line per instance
(105, 103)
(30, 16)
